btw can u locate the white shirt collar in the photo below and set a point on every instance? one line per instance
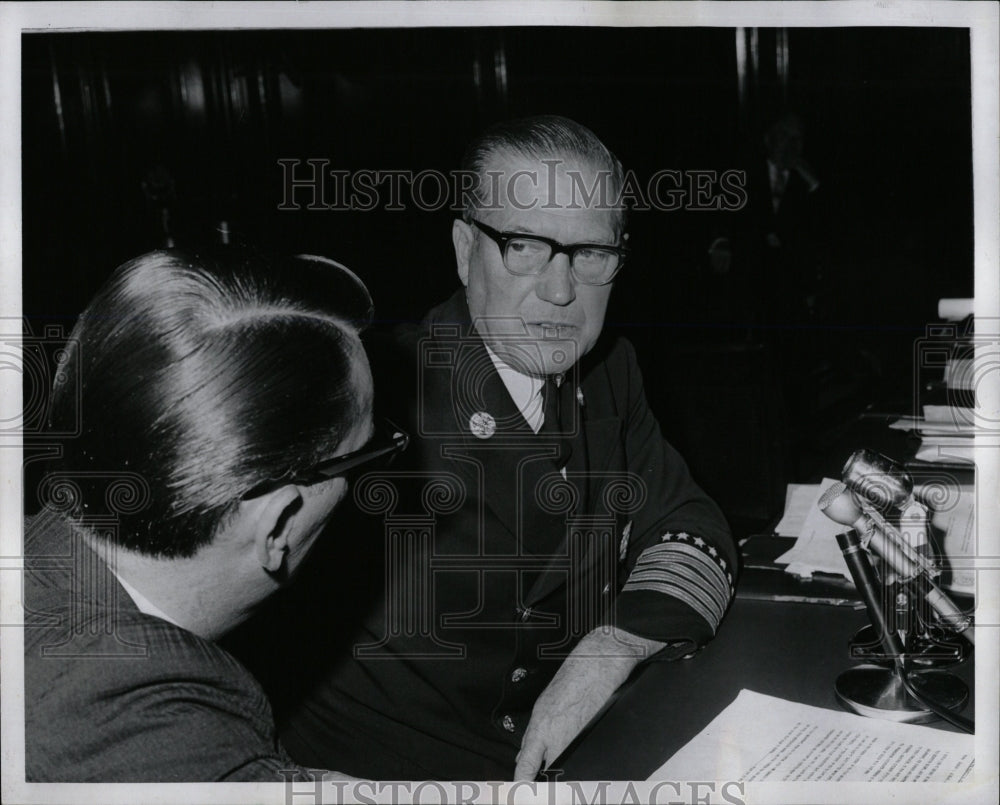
(524, 390)
(143, 604)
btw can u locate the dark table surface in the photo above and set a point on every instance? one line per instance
(794, 651)
(790, 650)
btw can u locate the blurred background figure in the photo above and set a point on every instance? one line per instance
(773, 248)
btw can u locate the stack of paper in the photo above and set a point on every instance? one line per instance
(947, 433)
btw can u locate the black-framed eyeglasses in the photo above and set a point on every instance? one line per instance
(528, 255)
(386, 443)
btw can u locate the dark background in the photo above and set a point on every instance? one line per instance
(135, 141)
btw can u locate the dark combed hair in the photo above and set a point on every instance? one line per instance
(207, 375)
(537, 138)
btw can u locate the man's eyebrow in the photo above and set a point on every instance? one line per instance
(525, 231)
(521, 230)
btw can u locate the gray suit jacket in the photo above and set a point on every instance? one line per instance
(115, 695)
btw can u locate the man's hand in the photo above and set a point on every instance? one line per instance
(598, 665)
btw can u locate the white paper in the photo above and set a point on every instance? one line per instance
(956, 518)
(960, 373)
(944, 449)
(761, 738)
(946, 413)
(799, 498)
(816, 550)
(978, 420)
(942, 427)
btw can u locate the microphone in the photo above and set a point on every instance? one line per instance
(883, 484)
(878, 478)
(839, 505)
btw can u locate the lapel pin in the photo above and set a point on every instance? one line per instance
(482, 425)
(623, 545)
(579, 396)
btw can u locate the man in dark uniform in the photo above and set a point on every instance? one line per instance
(544, 539)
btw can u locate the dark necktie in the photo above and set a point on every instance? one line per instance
(552, 423)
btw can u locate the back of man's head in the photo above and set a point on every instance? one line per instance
(206, 376)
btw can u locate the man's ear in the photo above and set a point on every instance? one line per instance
(462, 237)
(273, 526)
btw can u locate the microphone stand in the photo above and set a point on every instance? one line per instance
(881, 486)
(896, 693)
(927, 644)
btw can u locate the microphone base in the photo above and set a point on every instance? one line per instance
(876, 692)
(922, 650)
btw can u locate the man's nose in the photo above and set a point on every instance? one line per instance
(556, 283)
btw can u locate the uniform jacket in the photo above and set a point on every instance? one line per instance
(495, 564)
(115, 695)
